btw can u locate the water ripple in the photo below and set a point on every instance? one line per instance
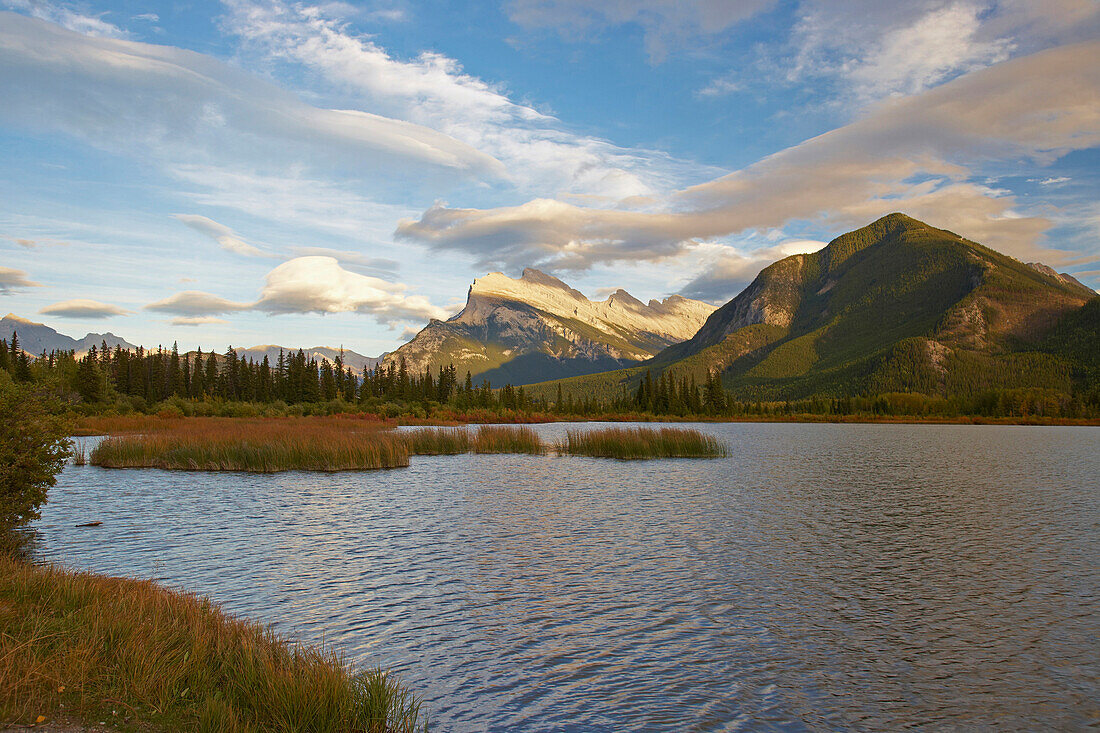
(823, 577)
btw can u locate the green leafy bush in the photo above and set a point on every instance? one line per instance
(33, 449)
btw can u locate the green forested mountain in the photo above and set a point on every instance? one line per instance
(897, 306)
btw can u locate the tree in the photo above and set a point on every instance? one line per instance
(33, 449)
(89, 380)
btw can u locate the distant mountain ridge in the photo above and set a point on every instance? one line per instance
(356, 361)
(896, 306)
(35, 338)
(536, 327)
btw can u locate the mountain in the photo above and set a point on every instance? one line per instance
(897, 306)
(34, 338)
(536, 327)
(356, 361)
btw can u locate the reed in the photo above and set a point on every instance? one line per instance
(92, 647)
(630, 443)
(437, 441)
(260, 445)
(507, 439)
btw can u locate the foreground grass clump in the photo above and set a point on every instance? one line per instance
(642, 443)
(263, 445)
(507, 439)
(90, 647)
(437, 441)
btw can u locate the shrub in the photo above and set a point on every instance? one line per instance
(33, 449)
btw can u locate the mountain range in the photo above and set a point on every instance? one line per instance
(536, 327)
(897, 305)
(35, 338)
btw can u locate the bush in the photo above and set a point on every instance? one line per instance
(33, 449)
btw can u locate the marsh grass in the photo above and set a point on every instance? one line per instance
(261, 445)
(437, 441)
(507, 439)
(90, 646)
(79, 453)
(629, 443)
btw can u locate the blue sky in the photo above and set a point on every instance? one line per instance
(337, 173)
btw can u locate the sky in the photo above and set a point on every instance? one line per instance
(243, 173)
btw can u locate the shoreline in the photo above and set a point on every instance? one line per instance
(123, 424)
(131, 654)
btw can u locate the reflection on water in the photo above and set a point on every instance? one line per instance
(824, 576)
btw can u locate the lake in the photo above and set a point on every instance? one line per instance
(822, 577)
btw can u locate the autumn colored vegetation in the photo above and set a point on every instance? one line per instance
(88, 647)
(631, 443)
(212, 444)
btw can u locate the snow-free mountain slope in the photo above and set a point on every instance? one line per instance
(895, 306)
(536, 327)
(35, 338)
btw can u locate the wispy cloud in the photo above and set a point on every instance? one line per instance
(83, 308)
(537, 150)
(911, 154)
(182, 107)
(12, 280)
(719, 87)
(66, 16)
(223, 235)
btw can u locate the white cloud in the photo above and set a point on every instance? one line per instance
(12, 280)
(196, 303)
(83, 308)
(221, 234)
(434, 90)
(873, 49)
(65, 16)
(290, 198)
(184, 108)
(910, 154)
(312, 285)
(728, 270)
(719, 87)
(903, 51)
(320, 285)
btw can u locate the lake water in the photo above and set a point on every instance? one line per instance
(822, 577)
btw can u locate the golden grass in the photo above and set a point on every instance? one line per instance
(87, 646)
(437, 441)
(507, 439)
(487, 439)
(628, 443)
(262, 445)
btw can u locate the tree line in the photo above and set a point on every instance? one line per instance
(151, 380)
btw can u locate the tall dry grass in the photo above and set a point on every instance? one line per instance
(437, 441)
(507, 439)
(262, 445)
(88, 646)
(628, 443)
